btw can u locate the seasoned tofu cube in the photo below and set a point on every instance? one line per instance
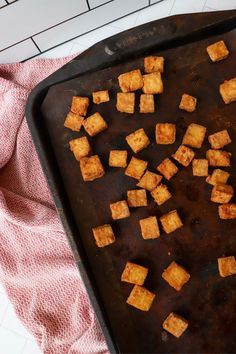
(103, 235)
(100, 96)
(227, 211)
(184, 155)
(146, 103)
(80, 147)
(125, 102)
(73, 121)
(222, 193)
(217, 51)
(218, 177)
(149, 228)
(137, 198)
(153, 64)
(149, 181)
(161, 194)
(134, 274)
(91, 168)
(141, 298)
(118, 158)
(119, 210)
(94, 124)
(227, 266)
(188, 103)
(194, 135)
(79, 105)
(176, 276)
(152, 83)
(219, 140)
(165, 133)
(218, 158)
(171, 221)
(200, 167)
(175, 325)
(136, 168)
(228, 90)
(131, 81)
(138, 140)
(167, 168)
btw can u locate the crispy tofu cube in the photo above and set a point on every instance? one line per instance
(218, 158)
(146, 103)
(222, 193)
(175, 325)
(125, 102)
(149, 228)
(118, 158)
(188, 103)
(136, 168)
(153, 64)
(200, 167)
(91, 168)
(218, 177)
(217, 51)
(138, 140)
(227, 211)
(79, 105)
(171, 221)
(134, 274)
(80, 147)
(161, 194)
(167, 168)
(194, 135)
(165, 133)
(152, 83)
(94, 124)
(219, 140)
(100, 96)
(131, 81)
(73, 121)
(119, 210)
(149, 181)
(141, 298)
(103, 235)
(137, 198)
(184, 155)
(228, 91)
(176, 276)
(227, 266)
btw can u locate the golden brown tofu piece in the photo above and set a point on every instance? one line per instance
(80, 147)
(152, 83)
(228, 90)
(146, 103)
(219, 140)
(125, 102)
(165, 133)
(194, 135)
(141, 298)
(119, 210)
(167, 168)
(227, 211)
(149, 228)
(175, 325)
(222, 193)
(153, 64)
(136, 168)
(118, 158)
(184, 155)
(138, 140)
(171, 221)
(94, 124)
(218, 158)
(200, 167)
(134, 274)
(137, 198)
(73, 121)
(101, 96)
(79, 105)
(217, 51)
(176, 276)
(161, 194)
(91, 168)
(188, 103)
(131, 81)
(218, 177)
(149, 181)
(103, 235)
(227, 266)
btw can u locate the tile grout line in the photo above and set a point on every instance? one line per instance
(36, 45)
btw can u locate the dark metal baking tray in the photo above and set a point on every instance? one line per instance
(207, 301)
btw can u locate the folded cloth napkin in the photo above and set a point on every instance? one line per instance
(36, 263)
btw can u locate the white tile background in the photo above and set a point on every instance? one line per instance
(14, 338)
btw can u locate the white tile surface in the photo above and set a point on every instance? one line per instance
(94, 3)
(11, 322)
(221, 4)
(9, 343)
(187, 6)
(4, 304)
(157, 11)
(2, 3)
(19, 52)
(31, 347)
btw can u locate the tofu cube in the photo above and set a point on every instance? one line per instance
(118, 158)
(153, 64)
(188, 103)
(149, 181)
(137, 198)
(79, 105)
(119, 210)
(219, 140)
(94, 124)
(73, 121)
(176, 276)
(165, 133)
(217, 51)
(125, 102)
(100, 96)
(161, 194)
(200, 167)
(131, 81)
(146, 103)
(138, 140)
(227, 211)
(228, 90)
(171, 221)
(136, 168)
(152, 83)
(80, 147)
(134, 274)
(194, 135)
(91, 168)
(218, 158)
(141, 298)
(175, 325)
(103, 235)
(167, 168)
(227, 266)
(184, 155)
(218, 177)
(222, 193)
(149, 228)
